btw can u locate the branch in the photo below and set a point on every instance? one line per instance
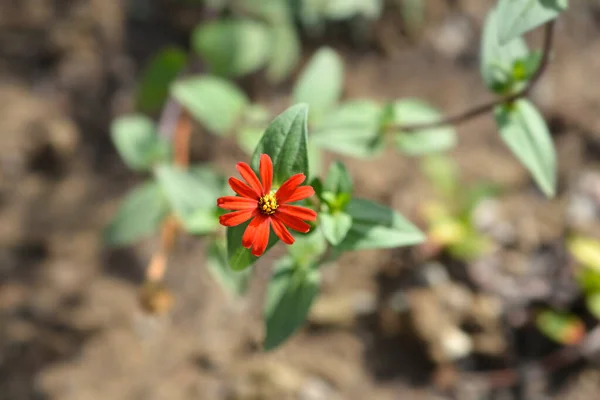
(487, 107)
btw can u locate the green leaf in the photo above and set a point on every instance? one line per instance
(153, 88)
(497, 59)
(335, 226)
(352, 129)
(561, 327)
(375, 226)
(338, 179)
(320, 84)
(525, 132)
(214, 184)
(412, 111)
(285, 141)
(192, 199)
(593, 304)
(523, 69)
(290, 294)
(138, 143)
(232, 47)
(285, 54)
(586, 251)
(139, 215)
(233, 282)
(308, 247)
(214, 102)
(346, 9)
(589, 280)
(516, 17)
(273, 11)
(238, 256)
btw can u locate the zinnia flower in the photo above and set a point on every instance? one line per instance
(267, 209)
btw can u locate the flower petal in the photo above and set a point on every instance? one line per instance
(237, 217)
(249, 233)
(299, 212)
(288, 187)
(250, 177)
(301, 193)
(266, 172)
(281, 231)
(261, 237)
(292, 222)
(236, 203)
(242, 189)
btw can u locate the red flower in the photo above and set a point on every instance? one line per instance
(266, 208)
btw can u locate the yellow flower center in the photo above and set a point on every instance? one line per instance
(267, 204)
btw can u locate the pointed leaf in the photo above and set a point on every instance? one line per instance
(586, 251)
(153, 88)
(192, 199)
(290, 294)
(338, 179)
(517, 17)
(286, 48)
(561, 327)
(139, 215)
(233, 47)
(525, 132)
(307, 248)
(335, 226)
(214, 102)
(497, 59)
(320, 84)
(137, 142)
(351, 129)
(285, 141)
(425, 141)
(375, 226)
(233, 282)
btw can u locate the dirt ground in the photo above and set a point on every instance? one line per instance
(70, 324)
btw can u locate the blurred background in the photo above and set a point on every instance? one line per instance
(388, 325)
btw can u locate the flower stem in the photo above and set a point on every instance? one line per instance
(482, 109)
(175, 124)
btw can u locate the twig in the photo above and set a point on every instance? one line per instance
(489, 106)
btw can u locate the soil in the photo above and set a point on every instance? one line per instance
(70, 323)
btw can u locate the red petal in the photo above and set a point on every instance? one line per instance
(236, 203)
(261, 237)
(281, 231)
(288, 187)
(299, 212)
(242, 189)
(294, 223)
(250, 177)
(301, 193)
(237, 217)
(266, 172)
(249, 233)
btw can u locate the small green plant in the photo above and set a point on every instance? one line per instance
(329, 219)
(449, 217)
(586, 252)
